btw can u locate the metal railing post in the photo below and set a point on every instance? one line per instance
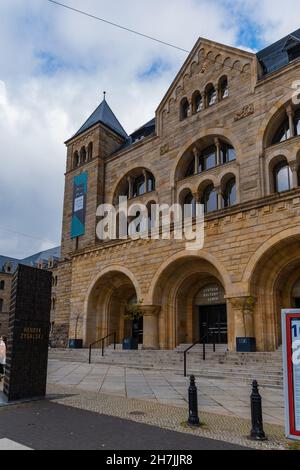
(90, 355)
(103, 348)
(115, 340)
(204, 351)
(185, 353)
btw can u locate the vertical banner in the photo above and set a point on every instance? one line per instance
(291, 364)
(79, 205)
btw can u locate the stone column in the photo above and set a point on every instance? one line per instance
(146, 180)
(290, 113)
(197, 160)
(220, 197)
(294, 168)
(150, 328)
(218, 147)
(130, 192)
(243, 310)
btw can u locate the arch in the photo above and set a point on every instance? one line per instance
(223, 87)
(76, 160)
(263, 131)
(83, 156)
(181, 257)
(122, 184)
(90, 151)
(206, 133)
(269, 244)
(184, 109)
(211, 96)
(197, 102)
(99, 296)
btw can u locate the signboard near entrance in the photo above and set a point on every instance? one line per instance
(28, 339)
(291, 363)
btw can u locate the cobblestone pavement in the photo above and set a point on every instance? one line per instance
(229, 429)
(217, 396)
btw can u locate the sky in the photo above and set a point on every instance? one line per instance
(55, 65)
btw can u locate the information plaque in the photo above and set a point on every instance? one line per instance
(291, 364)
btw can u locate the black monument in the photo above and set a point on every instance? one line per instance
(28, 337)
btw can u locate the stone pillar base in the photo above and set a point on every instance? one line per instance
(151, 340)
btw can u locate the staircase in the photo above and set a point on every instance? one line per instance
(265, 367)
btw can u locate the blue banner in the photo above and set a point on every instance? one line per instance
(79, 205)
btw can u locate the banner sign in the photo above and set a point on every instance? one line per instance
(291, 364)
(79, 205)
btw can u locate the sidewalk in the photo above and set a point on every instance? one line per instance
(226, 398)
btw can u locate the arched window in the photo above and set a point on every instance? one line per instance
(282, 177)
(297, 122)
(228, 153)
(283, 133)
(208, 158)
(76, 160)
(223, 88)
(229, 195)
(190, 170)
(90, 151)
(197, 102)
(189, 205)
(211, 95)
(150, 183)
(210, 199)
(83, 156)
(139, 186)
(184, 109)
(2, 285)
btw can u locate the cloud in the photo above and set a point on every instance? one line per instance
(54, 66)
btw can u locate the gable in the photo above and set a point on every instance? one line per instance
(207, 56)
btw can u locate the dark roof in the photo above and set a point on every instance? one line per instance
(276, 56)
(104, 115)
(31, 260)
(144, 131)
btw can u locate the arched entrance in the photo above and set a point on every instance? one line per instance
(191, 293)
(106, 308)
(275, 283)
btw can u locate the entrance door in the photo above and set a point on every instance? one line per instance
(213, 323)
(137, 329)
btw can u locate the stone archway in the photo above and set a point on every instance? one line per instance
(106, 304)
(176, 289)
(272, 283)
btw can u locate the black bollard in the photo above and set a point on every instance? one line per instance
(193, 404)
(257, 432)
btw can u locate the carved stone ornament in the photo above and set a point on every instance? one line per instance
(245, 112)
(164, 149)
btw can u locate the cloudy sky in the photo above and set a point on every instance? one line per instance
(54, 65)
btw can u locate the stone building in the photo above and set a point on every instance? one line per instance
(226, 134)
(43, 260)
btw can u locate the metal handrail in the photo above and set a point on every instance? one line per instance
(200, 341)
(102, 341)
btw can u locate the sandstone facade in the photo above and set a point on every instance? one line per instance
(251, 251)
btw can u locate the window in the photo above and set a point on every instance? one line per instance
(2, 285)
(227, 153)
(297, 122)
(76, 160)
(208, 159)
(283, 133)
(211, 95)
(223, 88)
(1, 305)
(151, 184)
(184, 109)
(189, 205)
(210, 199)
(294, 53)
(198, 104)
(190, 171)
(229, 196)
(282, 177)
(83, 155)
(90, 151)
(139, 186)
